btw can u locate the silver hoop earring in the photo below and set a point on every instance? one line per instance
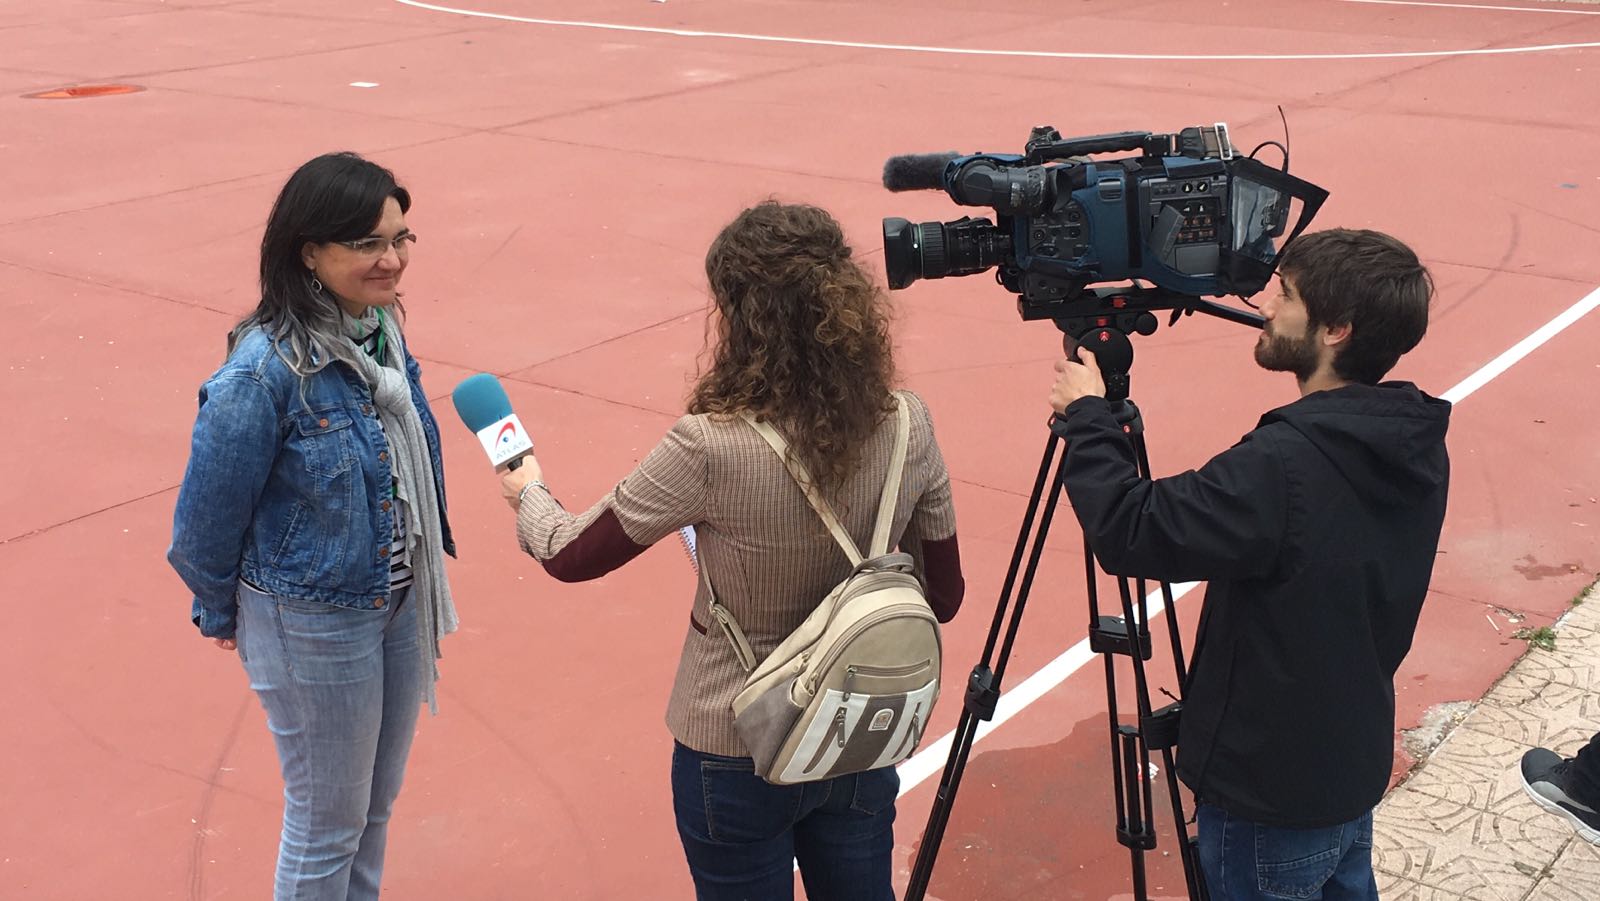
(316, 285)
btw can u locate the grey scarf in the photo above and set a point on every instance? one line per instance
(414, 484)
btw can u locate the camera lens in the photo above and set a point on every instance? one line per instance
(913, 250)
(902, 251)
(971, 245)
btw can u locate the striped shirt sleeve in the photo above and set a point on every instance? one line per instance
(667, 490)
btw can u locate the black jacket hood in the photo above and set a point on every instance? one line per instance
(1387, 440)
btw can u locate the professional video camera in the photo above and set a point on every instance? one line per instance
(1188, 214)
(1192, 218)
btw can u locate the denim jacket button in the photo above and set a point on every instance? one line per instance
(322, 423)
(384, 506)
(383, 456)
(366, 409)
(377, 602)
(383, 552)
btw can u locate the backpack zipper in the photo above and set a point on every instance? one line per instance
(888, 672)
(845, 639)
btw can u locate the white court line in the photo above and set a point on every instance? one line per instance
(931, 758)
(1522, 348)
(1514, 9)
(974, 51)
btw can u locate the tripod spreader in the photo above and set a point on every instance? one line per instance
(1109, 635)
(982, 695)
(1160, 728)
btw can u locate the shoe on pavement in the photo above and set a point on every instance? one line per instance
(1547, 777)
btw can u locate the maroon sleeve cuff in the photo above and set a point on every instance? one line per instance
(941, 563)
(597, 550)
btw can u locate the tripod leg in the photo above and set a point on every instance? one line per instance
(1188, 854)
(1115, 730)
(939, 816)
(1142, 459)
(1140, 836)
(1137, 789)
(1166, 732)
(983, 688)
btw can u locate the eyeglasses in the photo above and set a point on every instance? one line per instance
(376, 246)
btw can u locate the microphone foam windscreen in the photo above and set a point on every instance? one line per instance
(917, 171)
(481, 401)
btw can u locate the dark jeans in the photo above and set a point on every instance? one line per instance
(1586, 772)
(743, 835)
(1245, 861)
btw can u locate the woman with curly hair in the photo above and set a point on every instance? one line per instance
(802, 344)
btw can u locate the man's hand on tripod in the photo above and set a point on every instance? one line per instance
(1076, 380)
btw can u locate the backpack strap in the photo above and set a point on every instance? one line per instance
(724, 617)
(730, 628)
(891, 483)
(880, 532)
(807, 485)
(886, 502)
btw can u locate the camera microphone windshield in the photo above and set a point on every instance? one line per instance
(917, 171)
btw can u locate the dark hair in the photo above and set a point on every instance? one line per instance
(1369, 281)
(803, 338)
(335, 197)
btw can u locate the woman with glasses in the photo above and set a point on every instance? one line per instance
(311, 523)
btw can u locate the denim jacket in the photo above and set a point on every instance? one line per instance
(287, 487)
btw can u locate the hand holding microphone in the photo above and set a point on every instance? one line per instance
(486, 410)
(484, 407)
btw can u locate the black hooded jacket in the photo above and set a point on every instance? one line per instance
(1317, 534)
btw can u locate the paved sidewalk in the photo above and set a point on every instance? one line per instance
(1461, 827)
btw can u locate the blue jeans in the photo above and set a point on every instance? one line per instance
(1245, 861)
(342, 688)
(743, 835)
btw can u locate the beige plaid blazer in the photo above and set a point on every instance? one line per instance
(768, 555)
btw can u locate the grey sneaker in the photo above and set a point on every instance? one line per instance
(1547, 777)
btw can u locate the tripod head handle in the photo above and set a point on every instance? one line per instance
(1112, 349)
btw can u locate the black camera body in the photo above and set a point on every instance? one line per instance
(1187, 214)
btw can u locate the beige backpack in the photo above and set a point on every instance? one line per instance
(852, 688)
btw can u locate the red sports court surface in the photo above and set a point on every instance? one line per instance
(568, 178)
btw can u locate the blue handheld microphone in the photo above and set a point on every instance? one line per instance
(484, 407)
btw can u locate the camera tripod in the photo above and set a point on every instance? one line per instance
(1128, 635)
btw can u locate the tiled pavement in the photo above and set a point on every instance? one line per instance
(1460, 827)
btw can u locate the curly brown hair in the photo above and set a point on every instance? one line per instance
(802, 336)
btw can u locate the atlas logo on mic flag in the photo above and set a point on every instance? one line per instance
(504, 440)
(486, 410)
